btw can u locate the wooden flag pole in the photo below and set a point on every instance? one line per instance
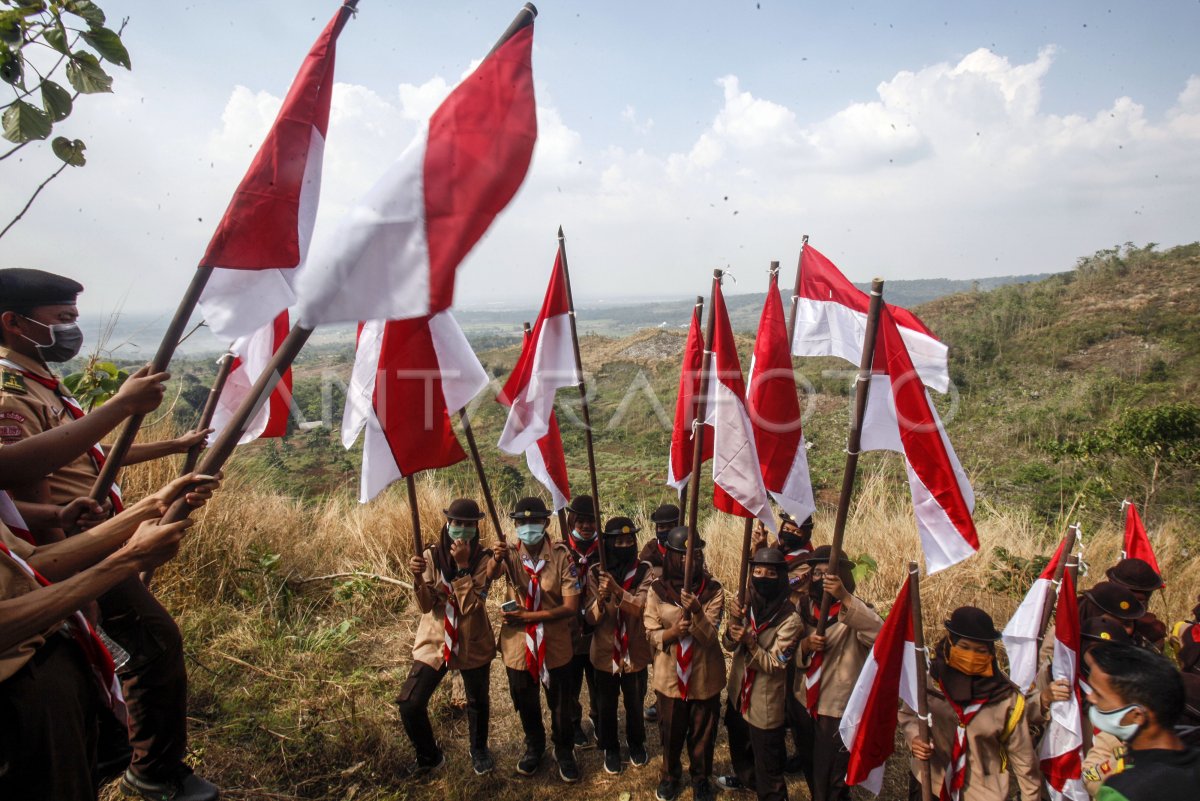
(1052, 590)
(853, 442)
(744, 567)
(414, 514)
(587, 418)
(224, 368)
(796, 296)
(697, 311)
(914, 595)
(465, 419)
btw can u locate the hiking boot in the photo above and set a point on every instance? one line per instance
(182, 786)
(638, 755)
(704, 791)
(732, 783)
(612, 761)
(482, 762)
(651, 713)
(568, 768)
(668, 790)
(530, 761)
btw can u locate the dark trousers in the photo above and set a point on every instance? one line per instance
(795, 715)
(155, 679)
(691, 722)
(826, 774)
(527, 699)
(632, 689)
(757, 755)
(414, 707)
(581, 669)
(48, 736)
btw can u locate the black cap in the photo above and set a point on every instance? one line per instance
(677, 540)
(1102, 629)
(821, 557)
(582, 505)
(22, 289)
(463, 509)
(1115, 600)
(771, 557)
(1135, 574)
(973, 623)
(619, 525)
(667, 513)
(530, 509)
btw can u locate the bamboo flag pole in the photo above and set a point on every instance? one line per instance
(224, 367)
(796, 295)
(853, 442)
(914, 595)
(465, 419)
(587, 418)
(697, 311)
(414, 513)
(1052, 590)
(744, 568)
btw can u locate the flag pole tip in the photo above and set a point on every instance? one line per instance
(531, 8)
(560, 233)
(717, 273)
(804, 239)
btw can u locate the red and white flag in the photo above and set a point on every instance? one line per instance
(775, 412)
(396, 253)
(888, 676)
(1137, 542)
(679, 461)
(408, 376)
(900, 417)
(737, 478)
(546, 459)
(1024, 628)
(1061, 749)
(263, 238)
(250, 355)
(831, 320)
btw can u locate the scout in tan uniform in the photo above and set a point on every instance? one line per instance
(451, 583)
(584, 546)
(979, 725)
(689, 668)
(763, 642)
(664, 518)
(535, 641)
(1137, 576)
(615, 601)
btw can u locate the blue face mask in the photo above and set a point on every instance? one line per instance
(461, 532)
(531, 533)
(1111, 722)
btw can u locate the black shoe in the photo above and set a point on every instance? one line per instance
(482, 762)
(612, 761)
(794, 765)
(429, 765)
(638, 755)
(183, 786)
(531, 761)
(581, 737)
(732, 783)
(667, 790)
(651, 713)
(704, 791)
(568, 768)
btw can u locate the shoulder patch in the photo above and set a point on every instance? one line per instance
(13, 382)
(9, 433)
(573, 570)
(11, 415)
(785, 655)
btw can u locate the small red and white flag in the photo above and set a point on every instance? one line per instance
(1024, 628)
(775, 412)
(737, 477)
(831, 320)
(408, 376)
(547, 461)
(888, 676)
(263, 238)
(1061, 749)
(1137, 543)
(679, 461)
(396, 253)
(900, 417)
(250, 355)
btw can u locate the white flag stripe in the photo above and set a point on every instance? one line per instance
(1020, 635)
(852, 718)
(797, 496)
(463, 377)
(553, 369)
(537, 467)
(735, 457)
(361, 390)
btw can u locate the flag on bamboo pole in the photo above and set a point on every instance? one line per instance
(900, 417)
(888, 676)
(1060, 751)
(1024, 628)
(263, 237)
(251, 355)
(396, 253)
(1137, 543)
(775, 412)
(546, 459)
(737, 478)
(408, 376)
(831, 320)
(679, 461)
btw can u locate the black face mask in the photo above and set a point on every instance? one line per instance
(791, 541)
(622, 554)
(662, 535)
(767, 586)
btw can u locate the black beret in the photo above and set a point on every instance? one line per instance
(23, 288)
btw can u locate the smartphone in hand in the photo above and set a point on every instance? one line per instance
(510, 606)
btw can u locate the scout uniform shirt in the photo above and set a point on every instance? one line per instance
(708, 663)
(559, 579)
(15, 582)
(653, 553)
(475, 641)
(848, 641)
(768, 656)
(603, 654)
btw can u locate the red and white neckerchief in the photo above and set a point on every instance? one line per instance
(791, 557)
(956, 770)
(812, 674)
(12, 518)
(76, 411)
(620, 654)
(683, 655)
(583, 557)
(449, 620)
(97, 656)
(750, 673)
(535, 633)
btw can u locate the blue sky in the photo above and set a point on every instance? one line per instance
(908, 139)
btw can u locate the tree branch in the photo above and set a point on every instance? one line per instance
(33, 197)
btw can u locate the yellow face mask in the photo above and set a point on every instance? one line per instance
(970, 662)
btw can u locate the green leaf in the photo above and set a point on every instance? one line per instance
(10, 27)
(86, 75)
(108, 44)
(23, 122)
(56, 100)
(56, 37)
(86, 9)
(12, 68)
(70, 151)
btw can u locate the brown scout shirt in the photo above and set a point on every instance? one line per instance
(633, 605)
(769, 655)
(476, 640)
(559, 580)
(708, 663)
(847, 644)
(15, 582)
(652, 553)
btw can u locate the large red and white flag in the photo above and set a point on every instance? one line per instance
(775, 412)
(1024, 628)
(1061, 749)
(263, 238)
(250, 355)
(831, 320)
(547, 461)
(408, 376)
(900, 417)
(396, 253)
(737, 478)
(679, 461)
(1137, 543)
(888, 676)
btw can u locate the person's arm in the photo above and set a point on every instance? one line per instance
(594, 610)
(705, 627)
(149, 451)
(775, 659)
(1022, 759)
(423, 578)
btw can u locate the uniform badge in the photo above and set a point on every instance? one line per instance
(10, 433)
(13, 382)
(574, 571)
(10, 415)
(785, 655)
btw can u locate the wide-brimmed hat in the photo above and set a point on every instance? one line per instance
(619, 525)
(530, 509)
(667, 513)
(1102, 629)
(677, 540)
(1113, 599)
(820, 556)
(769, 557)
(463, 509)
(582, 505)
(972, 623)
(1136, 574)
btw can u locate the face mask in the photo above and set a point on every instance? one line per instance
(622, 554)
(1111, 722)
(461, 532)
(792, 541)
(579, 535)
(767, 587)
(971, 663)
(531, 533)
(816, 587)
(66, 339)
(662, 535)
